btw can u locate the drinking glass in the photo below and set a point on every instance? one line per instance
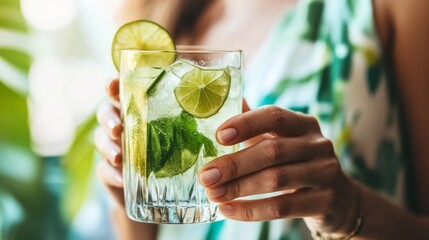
(172, 103)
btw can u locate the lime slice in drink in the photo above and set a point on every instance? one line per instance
(202, 92)
(143, 35)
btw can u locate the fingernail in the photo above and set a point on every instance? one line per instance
(227, 135)
(210, 176)
(217, 192)
(113, 154)
(226, 209)
(112, 122)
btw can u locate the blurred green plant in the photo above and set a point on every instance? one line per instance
(30, 201)
(78, 165)
(20, 169)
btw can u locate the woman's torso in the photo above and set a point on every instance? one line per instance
(237, 24)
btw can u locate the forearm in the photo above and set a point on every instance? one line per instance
(128, 229)
(385, 220)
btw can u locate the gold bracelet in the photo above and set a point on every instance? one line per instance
(326, 236)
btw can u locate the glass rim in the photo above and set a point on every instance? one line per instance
(189, 49)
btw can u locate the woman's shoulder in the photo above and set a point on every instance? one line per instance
(392, 17)
(382, 11)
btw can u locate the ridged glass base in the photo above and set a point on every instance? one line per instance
(176, 200)
(173, 214)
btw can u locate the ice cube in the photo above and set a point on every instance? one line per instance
(163, 102)
(236, 85)
(181, 67)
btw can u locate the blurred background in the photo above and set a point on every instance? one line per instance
(54, 62)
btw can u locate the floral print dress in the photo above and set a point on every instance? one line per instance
(323, 58)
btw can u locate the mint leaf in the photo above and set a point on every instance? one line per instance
(193, 139)
(152, 87)
(174, 144)
(160, 134)
(209, 148)
(154, 144)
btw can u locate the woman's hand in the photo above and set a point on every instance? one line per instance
(107, 141)
(289, 156)
(293, 160)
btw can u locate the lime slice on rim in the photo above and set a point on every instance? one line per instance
(144, 35)
(202, 92)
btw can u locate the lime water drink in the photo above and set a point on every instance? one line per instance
(171, 114)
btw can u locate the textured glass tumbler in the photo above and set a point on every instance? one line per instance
(172, 103)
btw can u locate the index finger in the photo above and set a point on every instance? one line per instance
(112, 89)
(270, 119)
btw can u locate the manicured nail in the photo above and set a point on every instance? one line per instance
(217, 192)
(226, 209)
(113, 154)
(227, 135)
(115, 127)
(210, 176)
(112, 122)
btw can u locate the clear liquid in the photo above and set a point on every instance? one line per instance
(149, 196)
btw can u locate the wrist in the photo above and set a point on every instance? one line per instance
(331, 236)
(352, 221)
